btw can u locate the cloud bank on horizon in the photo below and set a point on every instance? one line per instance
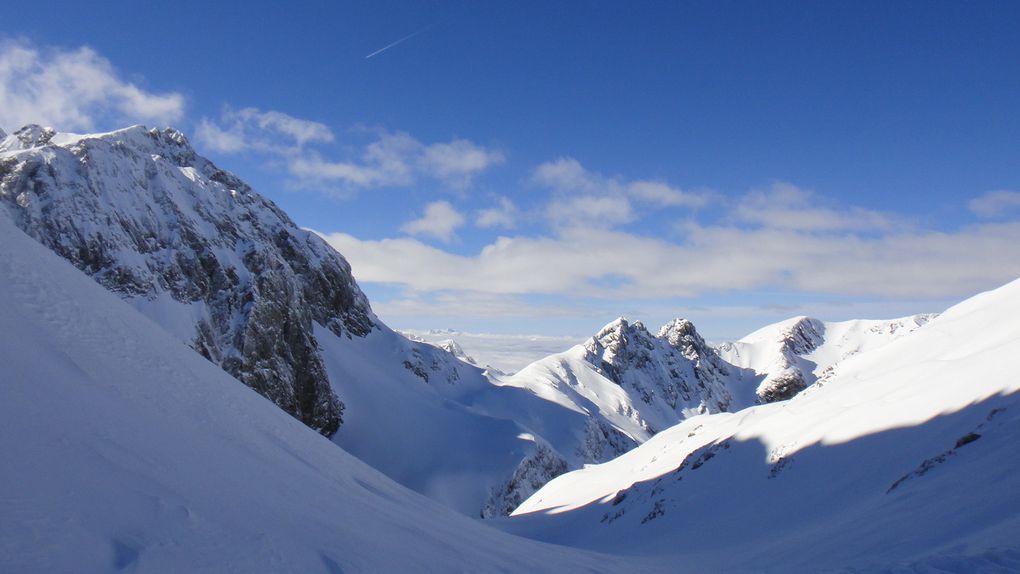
(566, 235)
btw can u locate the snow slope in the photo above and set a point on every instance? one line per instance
(791, 355)
(124, 450)
(219, 266)
(907, 455)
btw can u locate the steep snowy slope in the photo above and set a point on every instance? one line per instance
(908, 454)
(225, 271)
(124, 451)
(791, 355)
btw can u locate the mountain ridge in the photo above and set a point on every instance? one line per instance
(905, 454)
(197, 250)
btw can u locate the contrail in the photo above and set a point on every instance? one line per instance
(400, 41)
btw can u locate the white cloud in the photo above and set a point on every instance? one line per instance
(219, 139)
(661, 193)
(914, 264)
(440, 221)
(74, 90)
(264, 131)
(589, 211)
(457, 162)
(785, 206)
(397, 159)
(297, 129)
(587, 198)
(567, 174)
(995, 203)
(504, 215)
(390, 159)
(313, 168)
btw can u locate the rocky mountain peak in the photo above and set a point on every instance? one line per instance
(28, 137)
(619, 345)
(681, 334)
(147, 217)
(804, 335)
(673, 373)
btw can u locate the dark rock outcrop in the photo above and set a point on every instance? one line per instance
(147, 217)
(676, 369)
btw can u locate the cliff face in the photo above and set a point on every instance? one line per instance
(145, 216)
(673, 374)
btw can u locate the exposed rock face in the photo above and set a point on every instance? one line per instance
(148, 218)
(804, 336)
(709, 368)
(532, 474)
(602, 442)
(782, 386)
(789, 377)
(675, 370)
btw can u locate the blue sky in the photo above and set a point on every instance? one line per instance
(529, 167)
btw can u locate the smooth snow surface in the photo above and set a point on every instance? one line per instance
(124, 450)
(811, 349)
(907, 454)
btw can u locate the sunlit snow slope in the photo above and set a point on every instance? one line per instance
(791, 355)
(908, 454)
(123, 450)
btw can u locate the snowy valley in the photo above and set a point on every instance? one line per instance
(152, 297)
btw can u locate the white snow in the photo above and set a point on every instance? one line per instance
(768, 351)
(124, 450)
(808, 484)
(415, 412)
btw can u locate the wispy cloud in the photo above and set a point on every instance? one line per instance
(583, 197)
(995, 203)
(589, 211)
(264, 131)
(389, 159)
(440, 221)
(74, 90)
(786, 206)
(396, 158)
(503, 215)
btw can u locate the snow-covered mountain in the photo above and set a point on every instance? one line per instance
(125, 451)
(905, 459)
(224, 270)
(791, 355)
(639, 382)
(195, 249)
